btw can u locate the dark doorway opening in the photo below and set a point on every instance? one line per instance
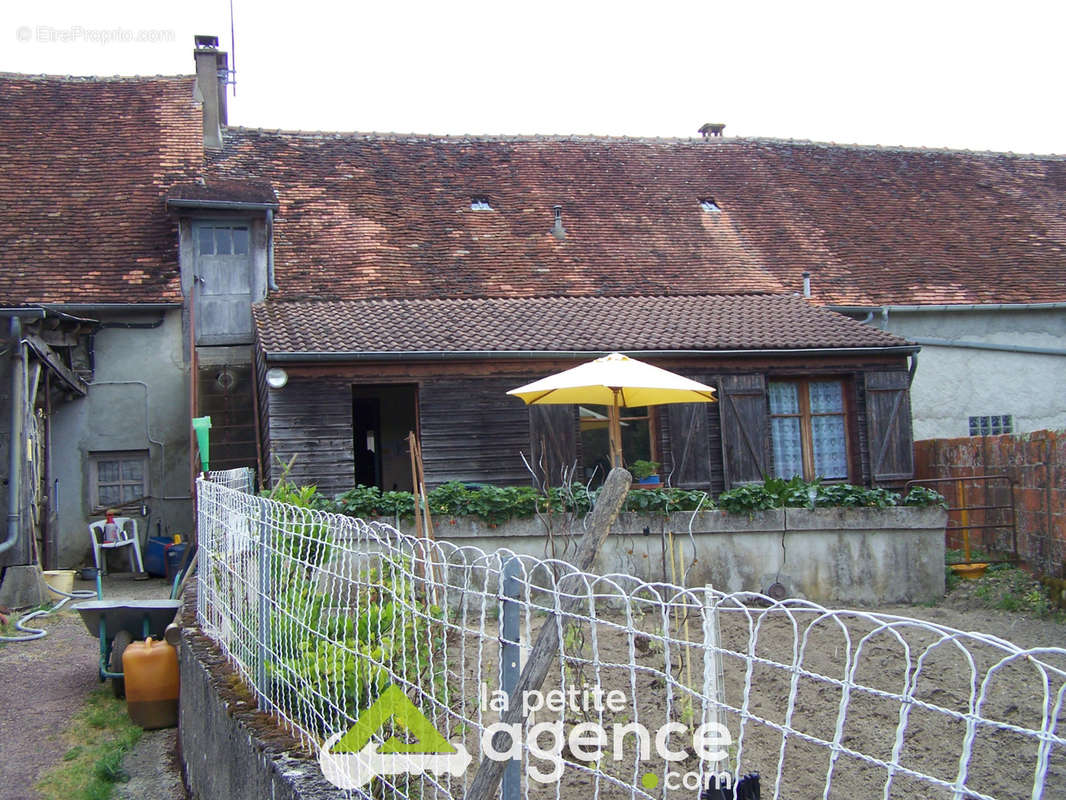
(382, 416)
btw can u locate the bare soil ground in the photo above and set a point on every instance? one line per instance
(1003, 759)
(45, 682)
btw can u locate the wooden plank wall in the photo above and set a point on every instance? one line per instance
(473, 431)
(312, 419)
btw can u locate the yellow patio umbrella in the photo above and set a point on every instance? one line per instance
(615, 381)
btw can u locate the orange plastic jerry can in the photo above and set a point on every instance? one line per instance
(151, 676)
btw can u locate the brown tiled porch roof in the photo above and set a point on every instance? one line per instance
(561, 324)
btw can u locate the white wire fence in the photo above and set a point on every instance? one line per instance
(319, 614)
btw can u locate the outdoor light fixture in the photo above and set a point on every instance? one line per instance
(277, 377)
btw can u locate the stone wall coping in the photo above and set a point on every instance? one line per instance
(704, 522)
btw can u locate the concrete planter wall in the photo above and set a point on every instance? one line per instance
(835, 556)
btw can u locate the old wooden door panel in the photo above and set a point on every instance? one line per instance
(223, 283)
(690, 449)
(742, 406)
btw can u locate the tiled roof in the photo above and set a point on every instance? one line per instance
(84, 168)
(557, 324)
(365, 216)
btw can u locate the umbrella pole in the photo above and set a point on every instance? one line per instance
(614, 431)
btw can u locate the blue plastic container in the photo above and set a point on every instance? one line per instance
(175, 553)
(155, 555)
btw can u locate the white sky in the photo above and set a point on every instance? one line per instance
(936, 73)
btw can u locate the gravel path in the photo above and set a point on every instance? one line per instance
(43, 683)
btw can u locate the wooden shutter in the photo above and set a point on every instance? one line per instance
(742, 406)
(888, 426)
(690, 449)
(553, 441)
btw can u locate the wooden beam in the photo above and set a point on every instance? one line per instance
(52, 360)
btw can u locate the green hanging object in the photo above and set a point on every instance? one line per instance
(202, 426)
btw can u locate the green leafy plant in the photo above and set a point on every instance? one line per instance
(798, 493)
(497, 504)
(923, 496)
(848, 496)
(348, 656)
(641, 469)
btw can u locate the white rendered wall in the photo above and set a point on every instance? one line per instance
(953, 383)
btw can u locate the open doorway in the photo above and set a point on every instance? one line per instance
(382, 416)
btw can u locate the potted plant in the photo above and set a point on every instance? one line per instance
(646, 473)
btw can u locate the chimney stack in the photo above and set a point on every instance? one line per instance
(212, 75)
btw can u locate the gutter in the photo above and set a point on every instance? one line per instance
(131, 308)
(465, 355)
(272, 285)
(912, 309)
(14, 469)
(1006, 348)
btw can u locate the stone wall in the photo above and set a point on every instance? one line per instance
(832, 556)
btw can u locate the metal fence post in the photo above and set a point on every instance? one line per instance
(712, 659)
(510, 665)
(263, 598)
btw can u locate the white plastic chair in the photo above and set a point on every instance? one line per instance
(126, 538)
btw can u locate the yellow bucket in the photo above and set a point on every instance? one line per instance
(61, 579)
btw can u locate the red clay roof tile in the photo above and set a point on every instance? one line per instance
(366, 216)
(84, 168)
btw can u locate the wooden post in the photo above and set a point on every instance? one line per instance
(614, 432)
(412, 444)
(608, 505)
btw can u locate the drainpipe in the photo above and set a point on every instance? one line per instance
(14, 471)
(271, 283)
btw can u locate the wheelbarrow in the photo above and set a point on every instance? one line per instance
(118, 623)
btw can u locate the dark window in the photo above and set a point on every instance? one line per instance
(991, 425)
(117, 478)
(808, 429)
(222, 240)
(638, 438)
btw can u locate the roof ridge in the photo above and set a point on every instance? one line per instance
(41, 76)
(281, 300)
(396, 136)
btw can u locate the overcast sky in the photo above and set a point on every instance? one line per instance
(975, 75)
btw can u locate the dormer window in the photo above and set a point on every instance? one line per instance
(480, 203)
(709, 206)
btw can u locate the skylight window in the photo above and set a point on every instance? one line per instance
(480, 204)
(708, 205)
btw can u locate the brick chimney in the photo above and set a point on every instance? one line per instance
(212, 75)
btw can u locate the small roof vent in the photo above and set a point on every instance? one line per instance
(205, 42)
(480, 203)
(708, 129)
(708, 205)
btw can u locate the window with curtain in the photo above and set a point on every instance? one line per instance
(808, 429)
